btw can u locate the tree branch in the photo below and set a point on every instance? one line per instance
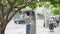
(10, 8)
(20, 7)
(11, 2)
(1, 3)
(23, 1)
(7, 15)
(0, 18)
(3, 8)
(27, 2)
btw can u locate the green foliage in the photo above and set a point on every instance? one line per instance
(18, 2)
(33, 6)
(4, 1)
(55, 11)
(0, 6)
(46, 4)
(41, 12)
(55, 2)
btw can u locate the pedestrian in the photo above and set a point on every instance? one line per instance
(28, 21)
(51, 27)
(57, 20)
(52, 24)
(57, 23)
(43, 24)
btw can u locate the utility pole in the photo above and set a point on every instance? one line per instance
(47, 17)
(47, 14)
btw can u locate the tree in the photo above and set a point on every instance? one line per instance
(55, 2)
(55, 11)
(6, 6)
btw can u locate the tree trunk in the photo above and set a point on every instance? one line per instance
(2, 30)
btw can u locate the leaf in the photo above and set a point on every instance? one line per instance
(18, 2)
(33, 6)
(55, 11)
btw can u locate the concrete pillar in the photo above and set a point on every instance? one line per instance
(33, 26)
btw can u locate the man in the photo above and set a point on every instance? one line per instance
(52, 24)
(28, 22)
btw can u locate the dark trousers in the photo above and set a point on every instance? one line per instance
(51, 26)
(28, 29)
(57, 23)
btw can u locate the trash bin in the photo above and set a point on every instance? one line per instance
(28, 29)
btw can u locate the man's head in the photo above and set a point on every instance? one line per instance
(27, 13)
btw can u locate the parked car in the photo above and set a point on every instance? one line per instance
(18, 21)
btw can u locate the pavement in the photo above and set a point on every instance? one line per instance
(13, 28)
(42, 30)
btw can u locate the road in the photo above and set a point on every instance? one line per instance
(13, 28)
